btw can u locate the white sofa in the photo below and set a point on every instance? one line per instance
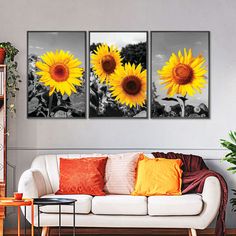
(191, 211)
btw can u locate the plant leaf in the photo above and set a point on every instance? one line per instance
(182, 98)
(232, 135)
(170, 99)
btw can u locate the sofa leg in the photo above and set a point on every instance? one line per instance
(45, 231)
(192, 232)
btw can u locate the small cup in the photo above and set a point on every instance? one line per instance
(18, 196)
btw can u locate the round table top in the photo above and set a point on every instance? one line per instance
(10, 201)
(54, 201)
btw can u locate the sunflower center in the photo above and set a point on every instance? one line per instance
(183, 74)
(108, 64)
(59, 72)
(131, 85)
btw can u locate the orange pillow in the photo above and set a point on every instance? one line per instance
(82, 176)
(158, 176)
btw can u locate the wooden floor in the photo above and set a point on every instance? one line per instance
(122, 232)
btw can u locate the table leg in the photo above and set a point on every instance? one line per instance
(59, 220)
(74, 219)
(25, 220)
(1, 226)
(32, 219)
(18, 221)
(38, 221)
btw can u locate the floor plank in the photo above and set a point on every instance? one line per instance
(122, 232)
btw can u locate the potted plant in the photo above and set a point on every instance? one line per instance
(231, 158)
(12, 73)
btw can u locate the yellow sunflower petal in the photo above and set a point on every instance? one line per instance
(42, 66)
(52, 89)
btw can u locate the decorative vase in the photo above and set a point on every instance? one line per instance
(2, 55)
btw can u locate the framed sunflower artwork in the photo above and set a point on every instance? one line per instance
(180, 74)
(118, 74)
(56, 74)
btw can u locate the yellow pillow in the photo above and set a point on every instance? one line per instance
(158, 176)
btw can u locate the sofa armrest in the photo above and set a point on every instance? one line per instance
(32, 185)
(211, 196)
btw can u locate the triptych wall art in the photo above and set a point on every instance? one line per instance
(115, 79)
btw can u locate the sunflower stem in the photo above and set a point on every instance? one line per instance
(183, 109)
(182, 103)
(50, 104)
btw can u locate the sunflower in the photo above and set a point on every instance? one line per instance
(129, 84)
(105, 61)
(60, 71)
(183, 74)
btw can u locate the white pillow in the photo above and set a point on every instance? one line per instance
(120, 173)
(74, 156)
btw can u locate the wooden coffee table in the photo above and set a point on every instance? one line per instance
(11, 202)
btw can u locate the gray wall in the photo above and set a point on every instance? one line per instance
(30, 137)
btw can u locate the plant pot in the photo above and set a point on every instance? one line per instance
(2, 55)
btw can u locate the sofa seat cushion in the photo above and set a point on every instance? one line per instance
(82, 206)
(189, 204)
(119, 205)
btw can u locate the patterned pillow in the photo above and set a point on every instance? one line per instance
(82, 176)
(120, 173)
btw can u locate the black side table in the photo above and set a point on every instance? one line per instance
(55, 201)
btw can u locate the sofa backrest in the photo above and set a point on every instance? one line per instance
(49, 166)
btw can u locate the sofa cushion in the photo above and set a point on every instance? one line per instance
(82, 176)
(82, 206)
(120, 173)
(119, 205)
(189, 204)
(158, 177)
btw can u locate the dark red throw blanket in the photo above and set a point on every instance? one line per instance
(195, 173)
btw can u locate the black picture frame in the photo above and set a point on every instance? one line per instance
(209, 75)
(147, 63)
(85, 73)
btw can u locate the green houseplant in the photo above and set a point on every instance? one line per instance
(231, 158)
(13, 77)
